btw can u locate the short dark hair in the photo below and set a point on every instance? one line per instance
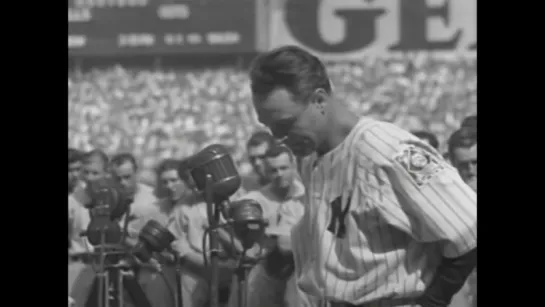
(426, 135)
(277, 150)
(470, 121)
(184, 166)
(462, 138)
(167, 165)
(122, 158)
(261, 137)
(74, 155)
(97, 153)
(290, 68)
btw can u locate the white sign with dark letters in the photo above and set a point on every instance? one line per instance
(350, 29)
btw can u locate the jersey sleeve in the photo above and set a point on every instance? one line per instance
(424, 195)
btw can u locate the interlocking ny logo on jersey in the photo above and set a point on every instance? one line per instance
(337, 224)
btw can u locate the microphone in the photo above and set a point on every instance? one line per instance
(215, 176)
(152, 238)
(108, 202)
(215, 161)
(247, 219)
(107, 198)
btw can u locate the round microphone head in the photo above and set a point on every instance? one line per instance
(108, 198)
(156, 236)
(246, 210)
(248, 223)
(216, 161)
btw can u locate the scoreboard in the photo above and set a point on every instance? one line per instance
(162, 27)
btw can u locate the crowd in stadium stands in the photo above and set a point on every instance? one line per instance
(158, 114)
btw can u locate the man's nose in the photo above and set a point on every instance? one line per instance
(472, 168)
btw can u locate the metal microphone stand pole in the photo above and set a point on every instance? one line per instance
(213, 211)
(242, 273)
(178, 263)
(103, 276)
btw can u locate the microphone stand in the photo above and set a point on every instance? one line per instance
(213, 211)
(178, 264)
(112, 279)
(241, 273)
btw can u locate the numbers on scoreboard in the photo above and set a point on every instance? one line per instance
(136, 40)
(223, 38)
(79, 15)
(76, 41)
(194, 38)
(109, 3)
(173, 11)
(173, 39)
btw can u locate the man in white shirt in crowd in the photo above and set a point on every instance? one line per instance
(462, 149)
(188, 222)
(124, 169)
(268, 279)
(258, 144)
(94, 167)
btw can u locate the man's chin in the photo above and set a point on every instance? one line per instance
(472, 183)
(301, 152)
(175, 198)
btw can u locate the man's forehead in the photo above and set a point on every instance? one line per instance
(472, 149)
(258, 149)
(469, 152)
(75, 164)
(124, 167)
(280, 160)
(96, 164)
(123, 171)
(168, 174)
(277, 105)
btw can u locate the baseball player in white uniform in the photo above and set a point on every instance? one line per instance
(387, 221)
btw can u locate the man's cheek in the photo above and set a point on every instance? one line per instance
(301, 145)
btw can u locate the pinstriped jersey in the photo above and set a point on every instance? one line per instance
(382, 208)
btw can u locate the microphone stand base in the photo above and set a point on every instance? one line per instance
(242, 275)
(111, 294)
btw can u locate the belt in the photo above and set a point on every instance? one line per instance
(396, 302)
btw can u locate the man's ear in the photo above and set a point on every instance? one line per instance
(319, 98)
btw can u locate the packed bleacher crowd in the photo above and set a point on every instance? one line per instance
(174, 113)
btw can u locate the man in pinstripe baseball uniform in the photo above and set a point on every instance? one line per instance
(387, 222)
